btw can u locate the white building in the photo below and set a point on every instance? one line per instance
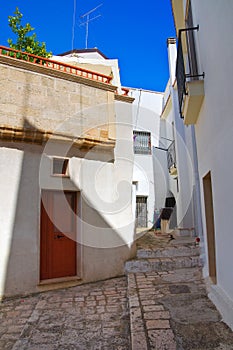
(66, 155)
(177, 153)
(163, 161)
(204, 83)
(146, 118)
(164, 172)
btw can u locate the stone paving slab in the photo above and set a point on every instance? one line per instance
(171, 249)
(93, 316)
(169, 306)
(161, 264)
(161, 310)
(175, 312)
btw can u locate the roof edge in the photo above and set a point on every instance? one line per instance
(83, 51)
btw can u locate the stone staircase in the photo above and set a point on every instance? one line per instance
(160, 262)
(175, 254)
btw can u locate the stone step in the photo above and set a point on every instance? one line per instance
(168, 252)
(162, 264)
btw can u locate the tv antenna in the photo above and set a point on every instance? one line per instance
(88, 19)
(73, 26)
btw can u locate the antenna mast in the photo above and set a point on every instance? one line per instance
(88, 20)
(73, 27)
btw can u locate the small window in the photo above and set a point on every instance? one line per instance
(60, 166)
(142, 142)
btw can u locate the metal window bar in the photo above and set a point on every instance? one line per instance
(142, 142)
(171, 156)
(141, 211)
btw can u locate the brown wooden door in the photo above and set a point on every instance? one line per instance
(58, 234)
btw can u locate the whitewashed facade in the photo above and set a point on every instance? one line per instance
(146, 120)
(204, 84)
(178, 141)
(66, 153)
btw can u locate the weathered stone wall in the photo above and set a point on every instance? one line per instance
(34, 101)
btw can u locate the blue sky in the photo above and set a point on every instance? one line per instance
(134, 32)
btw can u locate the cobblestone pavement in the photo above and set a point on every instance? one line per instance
(166, 309)
(170, 310)
(92, 316)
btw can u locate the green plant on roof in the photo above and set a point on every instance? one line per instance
(25, 41)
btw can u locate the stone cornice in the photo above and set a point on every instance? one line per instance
(124, 98)
(39, 137)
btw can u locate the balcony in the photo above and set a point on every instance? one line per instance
(171, 159)
(190, 85)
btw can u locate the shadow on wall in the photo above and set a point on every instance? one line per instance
(20, 241)
(21, 220)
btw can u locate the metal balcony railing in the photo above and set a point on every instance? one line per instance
(181, 75)
(48, 63)
(171, 156)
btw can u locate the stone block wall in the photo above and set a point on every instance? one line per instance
(57, 104)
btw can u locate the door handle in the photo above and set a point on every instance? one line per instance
(59, 236)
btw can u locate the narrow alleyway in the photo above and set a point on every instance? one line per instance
(161, 304)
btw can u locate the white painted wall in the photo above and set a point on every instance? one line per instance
(107, 187)
(105, 216)
(161, 178)
(19, 218)
(172, 128)
(214, 130)
(146, 117)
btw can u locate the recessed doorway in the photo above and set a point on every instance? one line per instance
(210, 230)
(58, 247)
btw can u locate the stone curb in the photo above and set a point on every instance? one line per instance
(149, 321)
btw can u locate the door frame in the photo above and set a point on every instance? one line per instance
(210, 227)
(78, 233)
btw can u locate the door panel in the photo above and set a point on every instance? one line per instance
(58, 234)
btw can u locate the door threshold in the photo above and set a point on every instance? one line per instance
(59, 280)
(58, 283)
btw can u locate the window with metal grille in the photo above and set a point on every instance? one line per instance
(141, 211)
(142, 142)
